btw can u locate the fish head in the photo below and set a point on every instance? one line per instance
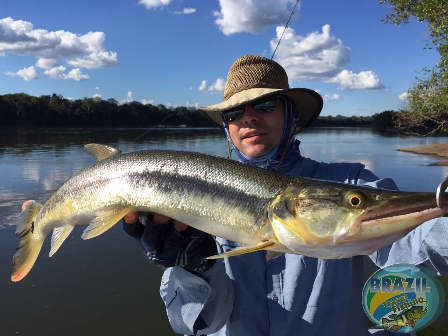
(336, 214)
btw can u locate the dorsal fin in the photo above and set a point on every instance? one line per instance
(101, 152)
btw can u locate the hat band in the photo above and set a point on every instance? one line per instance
(252, 86)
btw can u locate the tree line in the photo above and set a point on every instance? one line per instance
(22, 110)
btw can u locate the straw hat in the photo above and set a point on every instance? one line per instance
(253, 77)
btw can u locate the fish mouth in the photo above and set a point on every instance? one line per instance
(392, 221)
(400, 212)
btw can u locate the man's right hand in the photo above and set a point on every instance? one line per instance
(172, 243)
(132, 218)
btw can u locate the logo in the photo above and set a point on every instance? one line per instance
(403, 298)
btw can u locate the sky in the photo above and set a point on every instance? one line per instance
(178, 52)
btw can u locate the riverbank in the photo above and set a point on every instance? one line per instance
(439, 150)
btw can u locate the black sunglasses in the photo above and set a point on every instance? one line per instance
(267, 105)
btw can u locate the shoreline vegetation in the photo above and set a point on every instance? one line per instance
(22, 110)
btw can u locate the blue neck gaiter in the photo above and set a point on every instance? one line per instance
(285, 153)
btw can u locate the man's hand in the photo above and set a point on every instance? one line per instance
(171, 243)
(132, 218)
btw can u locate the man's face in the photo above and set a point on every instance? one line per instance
(256, 134)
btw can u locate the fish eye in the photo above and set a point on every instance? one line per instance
(355, 200)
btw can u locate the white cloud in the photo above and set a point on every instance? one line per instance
(59, 73)
(320, 56)
(129, 98)
(404, 96)
(56, 72)
(150, 4)
(333, 97)
(218, 86)
(145, 102)
(96, 97)
(327, 97)
(348, 80)
(10, 73)
(237, 16)
(203, 86)
(316, 56)
(186, 11)
(54, 47)
(45, 63)
(95, 60)
(77, 75)
(97, 88)
(28, 73)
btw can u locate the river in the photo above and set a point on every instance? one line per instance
(106, 286)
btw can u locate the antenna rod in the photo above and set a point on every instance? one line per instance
(285, 29)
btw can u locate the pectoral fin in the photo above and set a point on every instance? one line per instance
(59, 236)
(104, 221)
(244, 250)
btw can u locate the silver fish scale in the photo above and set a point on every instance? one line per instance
(201, 190)
(218, 189)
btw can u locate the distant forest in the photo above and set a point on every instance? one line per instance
(22, 110)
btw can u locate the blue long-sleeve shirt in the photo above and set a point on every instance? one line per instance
(293, 294)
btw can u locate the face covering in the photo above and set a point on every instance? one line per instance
(285, 153)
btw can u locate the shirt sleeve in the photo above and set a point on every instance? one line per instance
(426, 245)
(197, 303)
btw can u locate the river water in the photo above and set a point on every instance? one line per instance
(106, 286)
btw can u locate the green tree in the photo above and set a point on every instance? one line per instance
(427, 104)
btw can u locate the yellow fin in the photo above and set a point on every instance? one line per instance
(29, 247)
(101, 152)
(104, 221)
(244, 250)
(59, 236)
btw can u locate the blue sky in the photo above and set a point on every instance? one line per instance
(178, 52)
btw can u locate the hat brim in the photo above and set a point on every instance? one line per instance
(308, 102)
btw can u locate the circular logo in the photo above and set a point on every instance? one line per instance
(403, 298)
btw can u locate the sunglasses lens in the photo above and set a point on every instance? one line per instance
(231, 116)
(262, 106)
(266, 106)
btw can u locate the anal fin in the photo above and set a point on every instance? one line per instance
(244, 249)
(104, 221)
(59, 236)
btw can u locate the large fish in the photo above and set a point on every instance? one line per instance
(260, 209)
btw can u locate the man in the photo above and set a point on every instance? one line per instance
(291, 294)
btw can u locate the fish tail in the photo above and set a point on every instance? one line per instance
(29, 247)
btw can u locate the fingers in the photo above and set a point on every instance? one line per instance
(161, 219)
(179, 226)
(131, 218)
